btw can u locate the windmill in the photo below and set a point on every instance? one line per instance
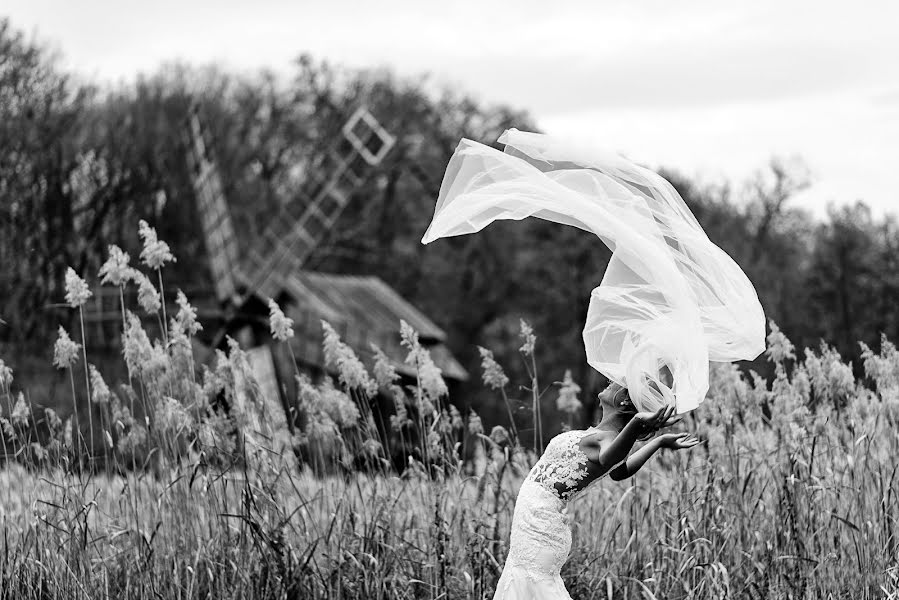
(364, 310)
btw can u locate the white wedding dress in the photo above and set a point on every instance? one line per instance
(541, 531)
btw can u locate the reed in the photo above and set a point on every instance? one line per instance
(794, 493)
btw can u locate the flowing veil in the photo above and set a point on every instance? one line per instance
(669, 298)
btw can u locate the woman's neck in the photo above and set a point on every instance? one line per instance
(612, 418)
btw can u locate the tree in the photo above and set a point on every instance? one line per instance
(52, 184)
(79, 166)
(852, 281)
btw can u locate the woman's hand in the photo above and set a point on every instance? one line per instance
(654, 421)
(677, 441)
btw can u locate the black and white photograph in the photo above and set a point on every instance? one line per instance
(500, 300)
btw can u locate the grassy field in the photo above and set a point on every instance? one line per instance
(792, 495)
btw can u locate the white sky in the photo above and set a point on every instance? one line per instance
(713, 89)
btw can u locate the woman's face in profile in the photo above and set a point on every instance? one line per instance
(617, 398)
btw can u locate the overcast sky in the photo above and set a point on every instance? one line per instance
(713, 89)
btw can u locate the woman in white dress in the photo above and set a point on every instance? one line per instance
(541, 533)
(669, 302)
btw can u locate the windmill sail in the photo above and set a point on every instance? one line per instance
(292, 236)
(218, 230)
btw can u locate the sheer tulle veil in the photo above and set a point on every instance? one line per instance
(669, 295)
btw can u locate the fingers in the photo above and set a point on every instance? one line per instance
(667, 419)
(661, 418)
(681, 441)
(657, 418)
(669, 411)
(686, 440)
(664, 417)
(670, 417)
(649, 419)
(655, 422)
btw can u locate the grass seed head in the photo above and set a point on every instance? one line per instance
(430, 377)
(155, 253)
(530, 339)
(385, 374)
(65, 351)
(9, 432)
(338, 405)
(147, 296)
(5, 375)
(187, 315)
(77, 292)
(568, 401)
(279, 324)
(99, 390)
(780, 348)
(494, 377)
(115, 270)
(52, 419)
(21, 412)
(341, 358)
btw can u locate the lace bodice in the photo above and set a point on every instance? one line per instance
(563, 464)
(540, 539)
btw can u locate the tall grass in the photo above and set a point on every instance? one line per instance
(793, 494)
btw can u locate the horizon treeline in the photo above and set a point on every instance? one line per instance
(81, 163)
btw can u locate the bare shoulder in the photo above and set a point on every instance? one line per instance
(595, 440)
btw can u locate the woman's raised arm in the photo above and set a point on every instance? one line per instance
(609, 454)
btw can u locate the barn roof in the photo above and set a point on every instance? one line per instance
(368, 300)
(363, 310)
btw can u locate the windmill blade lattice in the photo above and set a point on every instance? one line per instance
(293, 234)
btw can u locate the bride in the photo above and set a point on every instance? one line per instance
(541, 534)
(669, 302)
